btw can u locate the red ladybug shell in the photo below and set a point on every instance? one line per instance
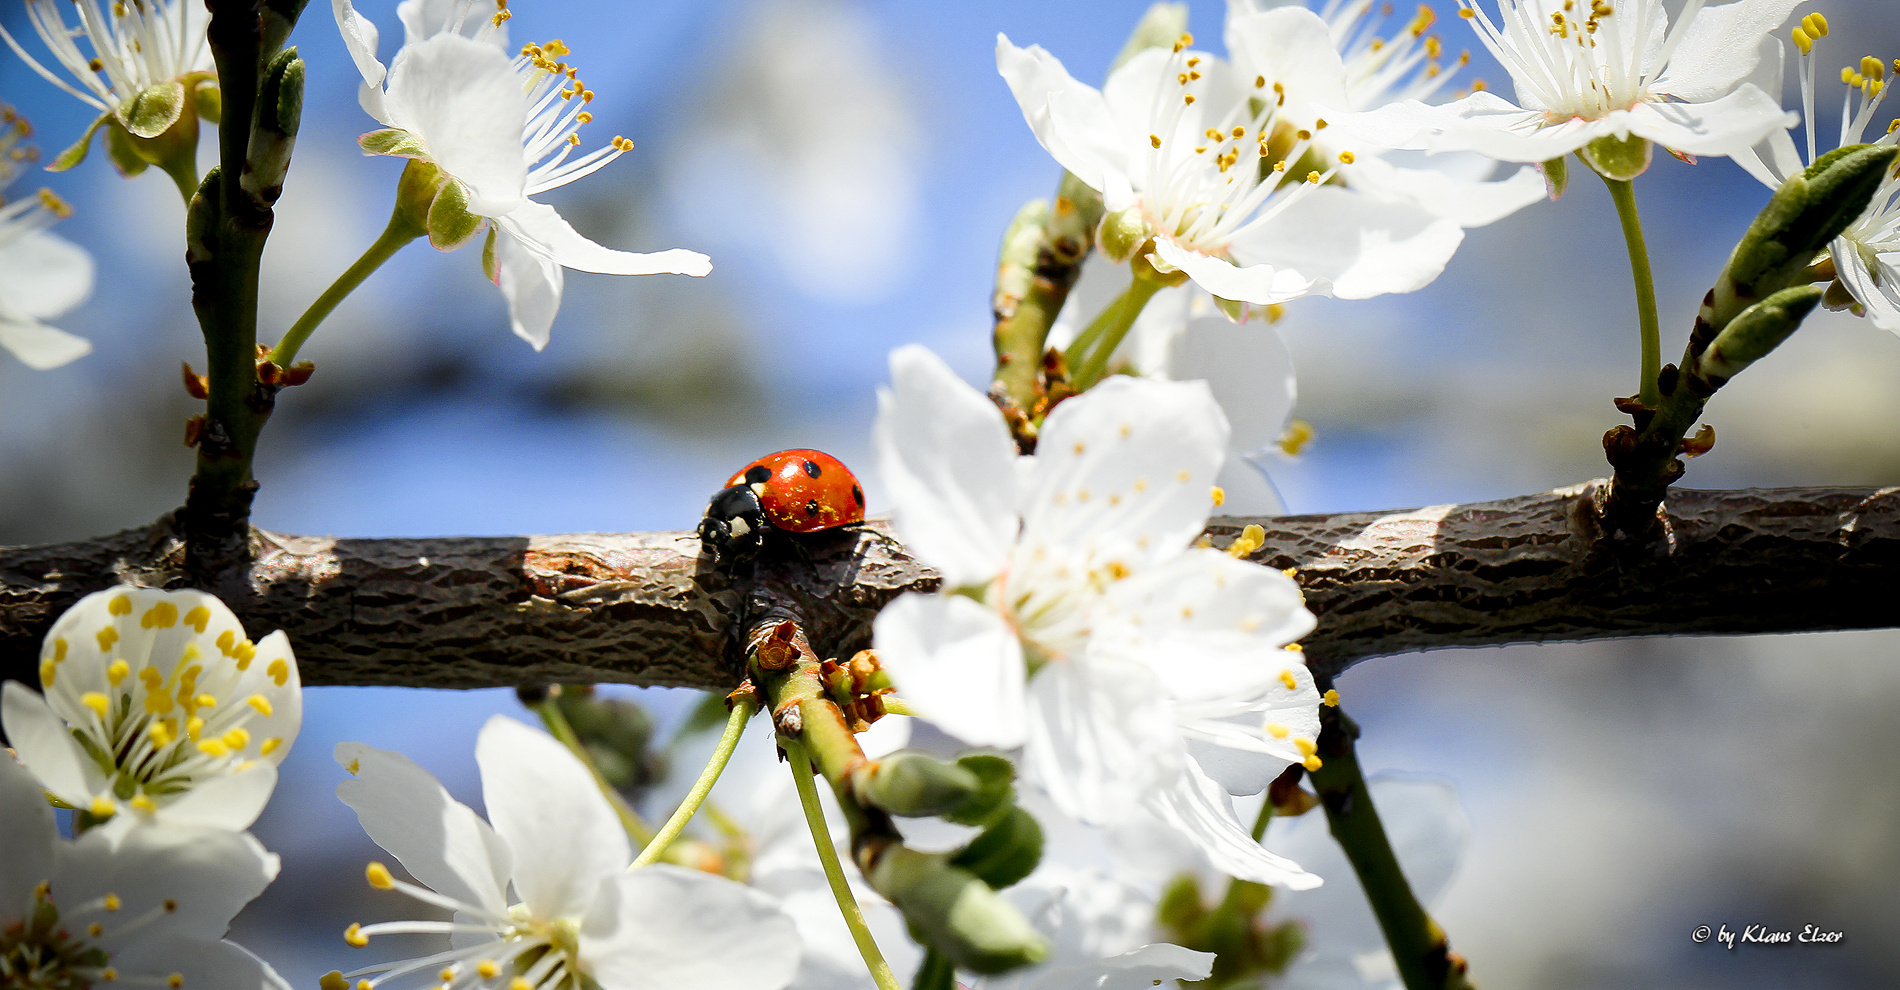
(805, 490)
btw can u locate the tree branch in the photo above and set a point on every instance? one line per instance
(644, 608)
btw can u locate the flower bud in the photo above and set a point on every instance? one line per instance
(914, 785)
(1004, 853)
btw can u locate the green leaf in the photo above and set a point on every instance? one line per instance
(154, 111)
(450, 225)
(393, 141)
(76, 153)
(1757, 330)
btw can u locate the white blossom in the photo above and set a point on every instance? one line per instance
(135, 46)
(1078, 622)
(1232, 191)
(579, 918)
(1347, 57)
(502, 128)
(41, 275)
(1866, 255)
(144, 907)
(1590, 69)
(1100, 932)
(157, 707)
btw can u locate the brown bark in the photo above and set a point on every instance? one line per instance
(644, 608)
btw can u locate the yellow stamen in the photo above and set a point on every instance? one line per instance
(162, 615)
(97, 702)
(1287, 678)
(1331, 700)
(117, 672)
(354, 935)
(378, 876)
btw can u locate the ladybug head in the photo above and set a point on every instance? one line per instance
(733, 523)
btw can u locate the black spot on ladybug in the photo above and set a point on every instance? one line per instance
(812, 469)
(758, 475)
(811, 507)
(857, 494)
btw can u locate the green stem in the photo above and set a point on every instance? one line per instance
(395, 236)
(1648, 392)
(1088, 356)
(742, 710)
(636, 827)
(834, 871)
(184, 174)
(895, 705)
(1419, 946)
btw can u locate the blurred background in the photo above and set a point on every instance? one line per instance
(850, 165)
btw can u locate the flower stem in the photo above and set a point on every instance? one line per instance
(397, 234)
(1424, 956)
(834, 871)
(895, 705)
(550, 711)
(1648, 392)
(742, 710)
(1088, 355)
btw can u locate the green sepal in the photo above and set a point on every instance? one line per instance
(1233, 309)
(76, 152)
(154, 110)
(1123, 234)
(124, 155)
(491, 267)
(207, 99)
(1556, 176)
(1004, 853)
(995, 793)
(1619, 159)
(1757, 330)
(936, 972)
(393, 141)
(449, 223)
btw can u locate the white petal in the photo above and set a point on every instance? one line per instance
(1874, 282)
(439, 840)
(1466, 202)
(532, 285)
(948, 461)
(210, 873)
(423, 19)
(1262, 285)
(202, 962)
(541, 230)
(1126, 469)
(1719, 48)
(1100, 739)
(465, 101)
(1483, 122)
(284, 697)
(227, 801)
(43, 275)
(1249, 488)
(957, 663)
(1353, 246)
(564, 836)
(1732, 124)
(27, 822)
(1199, 808)
(47, 747)
(662, 927)
(39, 346)
(1150, 966)
(1291, 46)
(1070, 120)
(360, 37)
(1249, 370)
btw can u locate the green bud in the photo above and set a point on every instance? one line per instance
(1618, 159)
(955, 912)
(202, 216)
(1162, 25)
(994, 795)
(1004, 853)
(915, 784)
(1756, 331)
(280, 98)
(449, 223)
(153, 111)
(1556, 176)
(1123, 234)
(1808, 211)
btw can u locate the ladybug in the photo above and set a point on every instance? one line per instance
(792, 491)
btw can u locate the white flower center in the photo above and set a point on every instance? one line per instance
(1580, 58)
(1220, 160)
(1381, 70)
(524, 953)
(557, 101)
